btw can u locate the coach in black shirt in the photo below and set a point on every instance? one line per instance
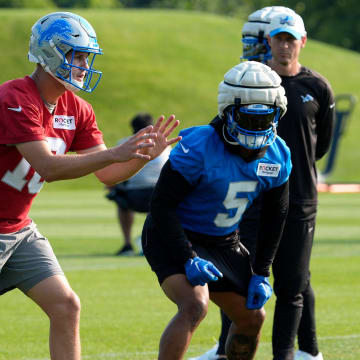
(307, 129)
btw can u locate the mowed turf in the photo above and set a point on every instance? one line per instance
(123, 308)
(169, 62)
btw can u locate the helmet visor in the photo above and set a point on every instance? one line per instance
(252, 126)
(254, 117)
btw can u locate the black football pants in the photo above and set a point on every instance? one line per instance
(295, 301)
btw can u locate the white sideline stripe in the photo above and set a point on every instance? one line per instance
(119, 354)
(353, 336)
(324, 338)
(95, 267)
(108, 355)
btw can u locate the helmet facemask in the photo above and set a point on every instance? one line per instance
(252, 126)
(65, 70)
(255, 48)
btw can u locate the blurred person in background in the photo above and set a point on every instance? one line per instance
(276, 35)
(134, 195)
(41, 119)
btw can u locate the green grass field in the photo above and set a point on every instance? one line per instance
(123, 308)
(172, 62)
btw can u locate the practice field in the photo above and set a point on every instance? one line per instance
(123, 308)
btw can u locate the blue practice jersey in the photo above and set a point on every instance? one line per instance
(224, 184)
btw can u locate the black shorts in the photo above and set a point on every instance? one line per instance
(236, 268)
(133, 199)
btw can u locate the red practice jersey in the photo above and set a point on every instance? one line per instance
(23, 118)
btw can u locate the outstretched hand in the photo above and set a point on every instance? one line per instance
(160, 140)
(148, 143)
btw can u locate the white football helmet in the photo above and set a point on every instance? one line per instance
(250, 102)
(53, 37)
(255, 31)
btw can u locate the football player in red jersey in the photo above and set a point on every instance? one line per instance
(41, 119)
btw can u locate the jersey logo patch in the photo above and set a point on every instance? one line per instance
(184, 149)
(18, 109)
(64, 122)
(271, 170)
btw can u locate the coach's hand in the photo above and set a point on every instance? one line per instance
(259, 292)
(200, 271)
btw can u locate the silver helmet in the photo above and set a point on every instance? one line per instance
(55, 40)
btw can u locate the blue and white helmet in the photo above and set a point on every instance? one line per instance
(250, 102)
(255, 31)
(53, 37)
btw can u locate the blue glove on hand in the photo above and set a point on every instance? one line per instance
(200, 271)
(259, 292)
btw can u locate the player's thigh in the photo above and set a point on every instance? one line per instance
(233, 264)
(178, 289)
(32, 260)
(162, 261)
(54, 295)
(234, 306)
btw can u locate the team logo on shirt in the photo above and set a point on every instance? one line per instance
(306, 98)
(271, 170)
(64, 122)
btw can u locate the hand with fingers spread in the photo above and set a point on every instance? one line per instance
(136, 146)
(160, 141)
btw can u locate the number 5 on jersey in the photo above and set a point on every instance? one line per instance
(233, 202)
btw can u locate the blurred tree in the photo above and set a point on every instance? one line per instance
(226, 7)
(136, 3)
(66, 3)
(97, 3)
(26, 4)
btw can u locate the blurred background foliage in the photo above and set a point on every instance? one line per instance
(331, 21)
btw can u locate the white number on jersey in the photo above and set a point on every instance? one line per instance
(17, 177)
(233, 202)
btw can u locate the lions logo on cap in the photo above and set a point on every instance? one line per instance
(288, 19)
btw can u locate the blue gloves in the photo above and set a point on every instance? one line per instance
(200, 271)
(259, 292)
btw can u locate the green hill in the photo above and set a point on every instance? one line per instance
(169, 62)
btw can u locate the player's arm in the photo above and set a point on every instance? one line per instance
(115, 173)
(110, 165)
(273, 215)
(52, 167)
(325, 121)
(170, 190)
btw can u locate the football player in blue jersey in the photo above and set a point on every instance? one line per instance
(190, 238)
(275, 35)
